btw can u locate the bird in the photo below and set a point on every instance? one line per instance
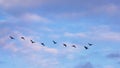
(23, 38)
(85, 47)
(54, 42)
(90, 44)
(74, 46)
(64, 45)
(11, 37)
(43, 44)
(32, 41)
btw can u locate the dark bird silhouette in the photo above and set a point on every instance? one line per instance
(90, 44)
(11, 37)
(43, 44)
(23, 38)
(32, 41)
(54, 42)
(74, 46)
(85, 47)
(64, 45)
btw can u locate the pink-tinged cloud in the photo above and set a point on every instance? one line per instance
(20, 3)
(111, 36)
(114, 55)
(71, 15)
(103, 33)
(97, 33)
(11, 47)
(29, 17)
(108, 66)
(110, 9)
(86, 65)
(83, 35)
(51, 50)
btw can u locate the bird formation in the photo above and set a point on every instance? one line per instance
(54, 42)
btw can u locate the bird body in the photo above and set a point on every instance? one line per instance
(90, 44)
(23, 38)
(54, 42)
(64, 45)
(74, 46)
(11, 37)
(32, 41)
(85, 47)
(43, 44)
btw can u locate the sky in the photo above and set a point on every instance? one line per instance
(73, 22)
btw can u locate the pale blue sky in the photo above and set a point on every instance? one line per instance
(66, 21)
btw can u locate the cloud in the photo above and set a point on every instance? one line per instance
(108, 8)
(119, 62)
(2, 62)
(71, 15)
(28, 17)
(114, 55)
(75, 34)
(51, 50)
(103, 33)
(7, 18)
(108, 66)
(110, 36)
(54, 9)
(11, 46)
(20, 3)
(86, 65)
(54, 36)
(36, 53)
(25, 17)
(31, 52)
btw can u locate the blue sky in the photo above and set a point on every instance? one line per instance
(77, 22)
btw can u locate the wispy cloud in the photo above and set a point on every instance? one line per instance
(25, 18)
(19, 3)
(2, 62)
(11, 46)
(75, 34)
(114, 55)
(119, 62)
(108, 9)
(97, 10)
(104, 33)
(33, 19)
(28, 17)
(33, 52)
(86, 65)
(108, 66)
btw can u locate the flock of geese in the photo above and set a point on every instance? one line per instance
(54, 42)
